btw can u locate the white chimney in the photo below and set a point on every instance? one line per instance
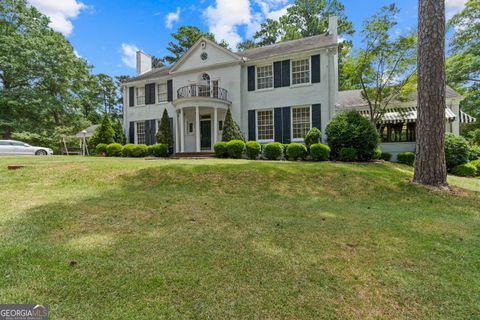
(333, 25)
(144, 62)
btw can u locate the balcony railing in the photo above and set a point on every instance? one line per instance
(195, 90)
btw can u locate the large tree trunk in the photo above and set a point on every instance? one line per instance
(430, 168)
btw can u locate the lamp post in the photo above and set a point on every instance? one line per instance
(84, 143)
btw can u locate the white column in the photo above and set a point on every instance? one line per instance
(177, 134)
(215, 125)
(197, 128)
(182, 132)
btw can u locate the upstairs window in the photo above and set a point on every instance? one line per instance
(300, 71)
(265, 77)
(162, 92)
(141, 132)
(300, 122)
(140, 96)
(264, 125)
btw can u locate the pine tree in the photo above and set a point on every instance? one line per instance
(119, 136)
(164, 134)
(231, 130)
(104, 133)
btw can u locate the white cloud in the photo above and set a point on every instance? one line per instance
(129, 55)
(276, 14)
(454, 6)
(60, 12)
(171, 18)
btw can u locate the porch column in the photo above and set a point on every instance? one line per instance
(177, 133)
(182, 132)
(197, 128)
(215, 125)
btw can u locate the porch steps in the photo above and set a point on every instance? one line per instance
(206, 154)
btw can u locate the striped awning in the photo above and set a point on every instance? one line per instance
(466, 118)
(396, 115)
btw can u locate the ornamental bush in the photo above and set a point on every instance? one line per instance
(407, 158)
(273, 150)
(101, 149)
(127, 150)
(474, 136)
(312, 137)
(386, 156)
(348, 154)
(104, 133)
(474, 152)
(465, 170)
(284, 149)
(457, 150)
(220, 149)
(319, 152)
(231, 130)
(296, 151)
(134, 150)
(476, 163)
(157, 150)
(114, 149)
(352, 130)
(253, 149)
(235, 148)
(377, 153)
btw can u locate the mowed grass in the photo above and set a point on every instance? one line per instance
(107, 238)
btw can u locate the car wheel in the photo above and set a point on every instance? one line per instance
(41, 153)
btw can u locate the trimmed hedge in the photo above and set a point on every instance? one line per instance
(101, 148)
(221, 149)
(407, 158)
(296, 151)
(134, 150)
(377, 153)
(114, 149)
(284, 149)
(158, 150)
(465, 170)
(273, 150)
(312, 137)
(386, 156)
(476, 163)
(235, 148)
(253, 149)
(348, 154)
(319, 152)
(457, 150)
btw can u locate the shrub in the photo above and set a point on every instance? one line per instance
(127, 150)
(474, 136)
(312, 137)
(386, 156)
(406, 158)
(465, 170)
(231, 130)
(284, 149)
(457, 150)
(352, 130)
(114, 149)
(319, 152)
(104, 133)
(235, 148)
(348, 154)
(134, 150)
(273, 150)
(253, 149)
(165, 133)
(118, 135)
(296, 151)
(220, 149)
(476, 163)
(101, 149)
(377, 153)
(158, 150)
(474, 152)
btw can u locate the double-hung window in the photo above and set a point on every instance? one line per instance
(140, 132)
(162, 92)
(140, 96)
(265, 125)
(265, 77)
(300, 71)
(301, 122)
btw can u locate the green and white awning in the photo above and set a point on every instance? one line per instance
(397, 115)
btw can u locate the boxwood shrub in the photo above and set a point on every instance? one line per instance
(377, 153)
(474, 152)
(101, 149)
(476, 163)
(134, 150)
(296, 151)
(457, 150)
(406, 158)
(284, 149)
(319, 152)
(386, 156)
(253, 149)
(157, 150)
(114, 149)
(273, 150)
(348, 154)
(312, 136)
(465, 170)
(220, 149)
(235, 148)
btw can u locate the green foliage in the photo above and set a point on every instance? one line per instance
(474, 153)
(235, 148)
(118, 135)
(352, 130)
(164, 134)
(296, 151)
(386, 156)
(457, 150)
(221, 149)
(465, 170)
(348, 154)
(407, 158)
(474, 137)
(157, 150)
(114, 149)
(253, 149)
(273, 150)
(101, 149)
(313, 136)
(476, 163)
(319, 152)
(104, 133)
(231, 130)
(377, 153)
(134, 150)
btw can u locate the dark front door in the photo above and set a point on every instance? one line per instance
(205, 135)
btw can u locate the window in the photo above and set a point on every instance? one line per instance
(300, 122)
(264, 77)
(220, 125)
(300, 71)
(162, 92)
(140, 96)
(190, 128)
(215, 88)
(141, 132)
(265, 125)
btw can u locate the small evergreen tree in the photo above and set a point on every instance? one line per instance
(164, 134)
(104, 133)
(118, 136)
(231, 130)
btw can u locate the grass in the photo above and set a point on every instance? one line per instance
(104, 238)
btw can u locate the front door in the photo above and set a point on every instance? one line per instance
(205, 135)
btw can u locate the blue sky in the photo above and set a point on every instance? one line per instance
(106, 33)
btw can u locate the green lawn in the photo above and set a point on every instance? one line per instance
(104, 238)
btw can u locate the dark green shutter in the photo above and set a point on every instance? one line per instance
(131, 96)
(316, 68)
(251, 125)
(277, 74)
(277, 121)
(251, 78)
(286, 73)
(316, 116)
(131, 132)
(169, 90)
(286, 125)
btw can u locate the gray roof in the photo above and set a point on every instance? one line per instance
(89, 130)
(152, 74)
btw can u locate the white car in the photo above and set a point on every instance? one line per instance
(16, 148)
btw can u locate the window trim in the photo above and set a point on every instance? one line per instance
(136, 130)
(157, 93)
(291, 121)
(187, 127)
(136, 97)
(256, 78)
(256, 125)
(309, 58)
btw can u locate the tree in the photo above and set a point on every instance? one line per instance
(164, 134)
(247, 44)
(430, 165)
(157, 62)
(231, 130)
(118, 135)
(104, 133)
(385, 67)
